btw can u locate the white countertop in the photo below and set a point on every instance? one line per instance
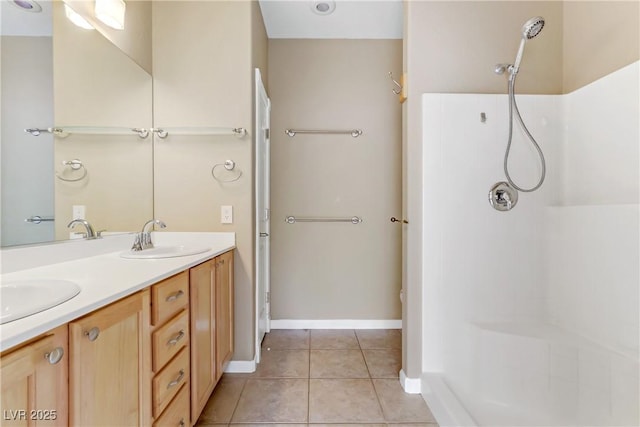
(103, 278)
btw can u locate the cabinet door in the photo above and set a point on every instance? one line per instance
(110, 365)
(224, 311)
(34, 382)
(203, 351)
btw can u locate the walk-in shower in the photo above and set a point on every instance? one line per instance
(503, 195)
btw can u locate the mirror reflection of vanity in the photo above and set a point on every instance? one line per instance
(85, 95)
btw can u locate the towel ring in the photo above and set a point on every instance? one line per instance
(228, 165)
(75, 165)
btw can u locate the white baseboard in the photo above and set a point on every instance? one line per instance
(410, 385)
(336, 324)
(241, 367)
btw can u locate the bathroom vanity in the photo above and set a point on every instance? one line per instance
(143, 343)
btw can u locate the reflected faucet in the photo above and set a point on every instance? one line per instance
(91, 234)
(143, 239)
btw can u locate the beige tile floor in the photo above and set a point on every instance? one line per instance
(320, 378)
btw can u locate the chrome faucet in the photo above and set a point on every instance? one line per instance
(143, 240)
(91, 234)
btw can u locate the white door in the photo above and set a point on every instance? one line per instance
(263, 110)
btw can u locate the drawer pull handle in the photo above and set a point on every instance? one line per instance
(175, 296)
(55, 355)
(177, 380)
(92, 334)
(182, 423)
(178, 337)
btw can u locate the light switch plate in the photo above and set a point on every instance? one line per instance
(226, 214)
(78, 212)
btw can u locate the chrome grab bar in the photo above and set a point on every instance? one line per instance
(353, 220)
(37, 219)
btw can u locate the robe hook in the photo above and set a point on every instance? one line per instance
(399, 91)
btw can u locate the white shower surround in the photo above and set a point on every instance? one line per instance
(530, 317)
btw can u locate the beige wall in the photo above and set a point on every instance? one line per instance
(454, 46)
(323, 270)
(599, 37)
(203, 56)
(95, 84)
(135, 39)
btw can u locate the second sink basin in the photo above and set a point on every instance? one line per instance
(164, 252)
(22, 298)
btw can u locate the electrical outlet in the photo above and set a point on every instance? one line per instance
(226, 214)
(78, 212)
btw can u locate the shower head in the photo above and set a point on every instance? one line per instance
(530, 29)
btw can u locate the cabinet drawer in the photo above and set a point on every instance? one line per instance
(169, 297)
(170, 339)
(177, 413)
(169, 381)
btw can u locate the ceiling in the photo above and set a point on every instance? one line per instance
(351, 19)
(16, 22)
(288, 19)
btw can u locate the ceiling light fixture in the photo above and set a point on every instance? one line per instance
(27, 5)
(323, 7)
(111, 12)
(78, 20)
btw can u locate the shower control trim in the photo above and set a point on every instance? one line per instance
(503, 197)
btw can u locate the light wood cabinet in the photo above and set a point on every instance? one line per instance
(170, 339)
(168, 382)
(203, 343)
(153, 357)
(177, 414)
(211, 295)
(34, 382)
(224, 311)
(110, 365)
(169, 297)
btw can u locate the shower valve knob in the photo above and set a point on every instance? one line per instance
(503, 197)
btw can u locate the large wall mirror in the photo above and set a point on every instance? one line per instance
(91, 95)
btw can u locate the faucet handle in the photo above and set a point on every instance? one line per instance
(137, 243)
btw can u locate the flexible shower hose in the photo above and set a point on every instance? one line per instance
(514, 107)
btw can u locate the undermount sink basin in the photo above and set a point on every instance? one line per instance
(22, 298)
(164, 252)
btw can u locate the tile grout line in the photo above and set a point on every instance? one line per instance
(235, 407)
(309, 384)
(375, 390)
(371, 380)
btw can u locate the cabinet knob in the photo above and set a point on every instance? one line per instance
(54, 356)
(177, 380)
(182, 423)
(92, 334)
(178, 337)
(174, 296)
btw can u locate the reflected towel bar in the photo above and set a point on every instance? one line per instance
(292, 220)
(65, 131)
(353, 132)
(37, 219)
